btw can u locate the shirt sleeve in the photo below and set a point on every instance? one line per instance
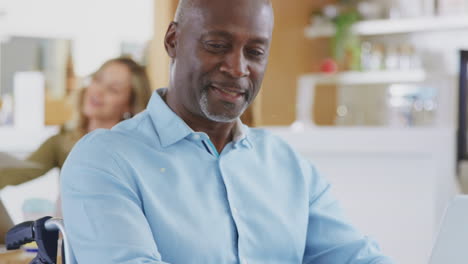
(41, 161)
(102, 211)
(330, 238)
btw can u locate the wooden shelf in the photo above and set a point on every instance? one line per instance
(394, 26)
(307, 83)
(372, 77)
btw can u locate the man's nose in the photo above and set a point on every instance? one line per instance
(236, 65)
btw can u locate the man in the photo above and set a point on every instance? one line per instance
(186, 182)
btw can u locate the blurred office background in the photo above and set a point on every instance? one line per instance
(367, 90)
(47, 50)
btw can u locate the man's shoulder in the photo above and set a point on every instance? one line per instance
(273, 148)
(265, 136)
(103, 149)
(126, 132)
(137, 129)
(265, 141)
(94, 142)
(135, 126)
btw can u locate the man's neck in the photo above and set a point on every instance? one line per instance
(220, 133)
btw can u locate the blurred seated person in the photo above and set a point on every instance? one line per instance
(117, 91)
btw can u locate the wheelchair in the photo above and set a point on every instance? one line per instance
(45, 232)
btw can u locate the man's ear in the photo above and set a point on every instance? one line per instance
(170, 40)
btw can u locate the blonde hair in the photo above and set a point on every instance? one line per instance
(139, 97)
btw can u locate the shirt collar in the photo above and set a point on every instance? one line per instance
(168, 125)
(171, 128)
(238, 132)
(239, 135)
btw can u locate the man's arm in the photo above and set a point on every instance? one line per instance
(330, 238)
(102, 212)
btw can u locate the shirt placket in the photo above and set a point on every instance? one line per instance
(235, 209)
(236, 214)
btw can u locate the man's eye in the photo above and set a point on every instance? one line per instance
(216, 46)
(256, 52)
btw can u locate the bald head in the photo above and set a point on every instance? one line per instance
(184, 7)
(188, 7)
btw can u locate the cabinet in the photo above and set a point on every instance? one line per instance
(392, 183)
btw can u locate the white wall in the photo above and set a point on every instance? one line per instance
(120, 19)
(97, 28)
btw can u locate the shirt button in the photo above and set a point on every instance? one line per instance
(234, 210)
(196, 137)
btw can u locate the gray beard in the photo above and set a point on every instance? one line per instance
(214, 117)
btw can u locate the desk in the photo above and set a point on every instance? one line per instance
(19, 257)
(16, 257)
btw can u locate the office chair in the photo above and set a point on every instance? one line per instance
(45, 232)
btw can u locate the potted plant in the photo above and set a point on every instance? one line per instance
(345, 45)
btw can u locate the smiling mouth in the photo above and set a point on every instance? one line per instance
(230, 91)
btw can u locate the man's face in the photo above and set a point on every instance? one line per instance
(220, 58)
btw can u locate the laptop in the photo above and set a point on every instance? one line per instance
(451, 246)
(5, 222)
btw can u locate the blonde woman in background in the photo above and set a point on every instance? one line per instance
(117, 91)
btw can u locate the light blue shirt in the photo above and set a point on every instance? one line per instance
(151, 190)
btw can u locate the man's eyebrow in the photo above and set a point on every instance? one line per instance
(260, 40)
(226, 35)
(217, 33)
